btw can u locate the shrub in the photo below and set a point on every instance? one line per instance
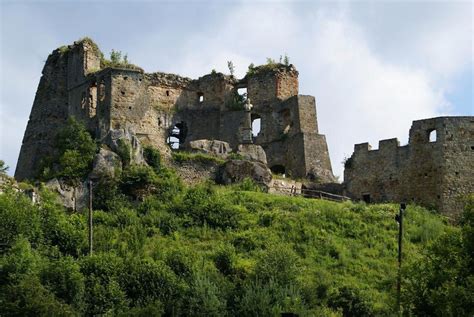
(152, 157)
(103, 293)
(145, 281)
(63, 277)
(204, 298)
(18, 217)
(224, 259)
(203, 206)
(107, 195)
(76, 151)
(351, 301)
(124, 150)
(278, 263)
(182, 157)
(269, 299)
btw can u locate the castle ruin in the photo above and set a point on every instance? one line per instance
(169, 111)
(435, 169)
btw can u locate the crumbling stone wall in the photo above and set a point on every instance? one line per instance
(435, 174)
(157, 106)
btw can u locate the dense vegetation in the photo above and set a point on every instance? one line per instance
(211, 250)
(75, 151)
(162, 248)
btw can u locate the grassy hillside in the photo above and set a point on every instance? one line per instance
(204, 251)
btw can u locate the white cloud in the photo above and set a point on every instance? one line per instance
(360, 97)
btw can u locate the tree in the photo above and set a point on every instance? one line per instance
(3, 167)
(76, 151)
(442, 282)
(231, 67)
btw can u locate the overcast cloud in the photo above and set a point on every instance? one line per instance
(373, 67)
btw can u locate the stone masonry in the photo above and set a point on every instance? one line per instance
(436, 168)
(168, 111)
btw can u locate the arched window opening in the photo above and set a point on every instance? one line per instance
(200, 97)
(177, 135)
(242, 92)
(432, 136)
(256, 125)
(278, 169)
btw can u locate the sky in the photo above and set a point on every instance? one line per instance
(373, 66)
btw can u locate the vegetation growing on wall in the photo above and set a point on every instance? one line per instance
(117, 59)
(271, 65)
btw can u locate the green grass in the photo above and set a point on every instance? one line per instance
(245, 250)
(181, 157)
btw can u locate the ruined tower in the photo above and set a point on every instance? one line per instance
(168, 111)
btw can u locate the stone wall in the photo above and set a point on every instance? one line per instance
(436, 174)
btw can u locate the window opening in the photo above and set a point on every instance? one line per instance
(433, 136)
(200, 97)
(366, 198)
(256, 125)
(242, 92)
(177, 135)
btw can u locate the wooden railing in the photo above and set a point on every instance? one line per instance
(312, 193)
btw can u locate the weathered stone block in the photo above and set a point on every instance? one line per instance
(252, 152)
(235, 171)
(214, 147)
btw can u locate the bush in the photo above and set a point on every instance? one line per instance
(152, 157)
(203, 206)
(351, 301)
(18, 217)
(182, 157)
(140, 181)
(269, 299)
(278, 263)
(76, 151)
(103, 292)
(145, 281)
(441, 283)
(224, 259)
(204, 298)
(63, 277)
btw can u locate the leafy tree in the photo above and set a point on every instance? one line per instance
(75, 153)
(442, 282)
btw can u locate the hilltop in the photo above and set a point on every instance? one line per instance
(211, 250)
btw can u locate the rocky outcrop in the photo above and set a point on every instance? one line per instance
(252, 152)
(126, 144)
(73, 198)
(214, 147)
(106, 163)
(235, 171)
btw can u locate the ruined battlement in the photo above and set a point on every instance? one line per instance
(169, 111)
(435, 169)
